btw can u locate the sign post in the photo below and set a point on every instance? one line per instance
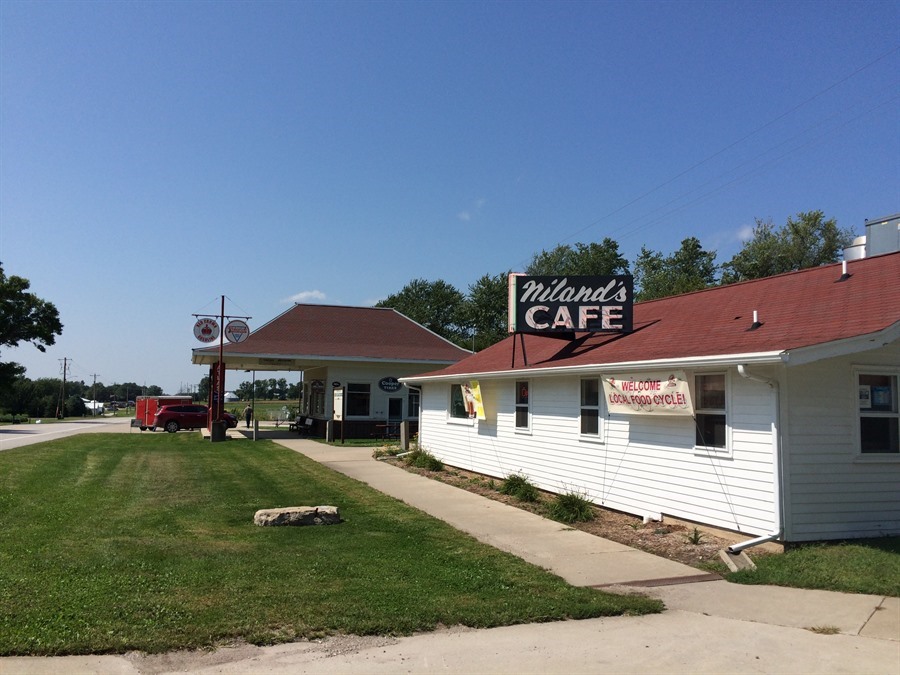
(337, 413)
(207, 329)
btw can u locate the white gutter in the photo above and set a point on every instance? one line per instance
(776, 466)
(757, 358)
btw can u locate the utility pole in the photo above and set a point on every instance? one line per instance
(94, 395)
(60, 404)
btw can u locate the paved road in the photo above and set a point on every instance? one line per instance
(17, 435)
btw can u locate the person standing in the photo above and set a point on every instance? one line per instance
(248, 414)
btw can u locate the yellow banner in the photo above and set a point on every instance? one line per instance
(472, 396)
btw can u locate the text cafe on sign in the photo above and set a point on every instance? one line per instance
(544, 304)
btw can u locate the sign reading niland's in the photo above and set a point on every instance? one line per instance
(565, 304)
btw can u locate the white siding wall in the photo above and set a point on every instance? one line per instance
(645, 466)
(368, 374)
(834, 492)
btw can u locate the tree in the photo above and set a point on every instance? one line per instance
(486, 310)
(690, 268)
(24, 317)
(808, 241)
(436, 305)
(584, 259)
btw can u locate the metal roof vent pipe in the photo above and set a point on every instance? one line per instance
(756, 322)
(844, 273)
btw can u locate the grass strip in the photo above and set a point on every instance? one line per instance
(870, 566)
(113, 542)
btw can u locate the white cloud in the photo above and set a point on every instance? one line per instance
(469, 214)
(745, 233)
(306, 296)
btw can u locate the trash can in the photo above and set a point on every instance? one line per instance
(217, 432)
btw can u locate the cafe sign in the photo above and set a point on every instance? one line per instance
(662, 393)
(548, 304)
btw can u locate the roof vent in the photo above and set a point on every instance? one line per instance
(844, 273)
(756, 322)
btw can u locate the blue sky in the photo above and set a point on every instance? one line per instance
(155, 156)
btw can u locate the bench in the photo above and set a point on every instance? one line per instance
(302, 425)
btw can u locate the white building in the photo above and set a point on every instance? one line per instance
(361, 351)
(789, 385)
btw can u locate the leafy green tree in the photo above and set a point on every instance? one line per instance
(245, 390)
(436, 305)
(24, 317)
(583, 259)
(486, 310)
(808, 241)
(690, 268)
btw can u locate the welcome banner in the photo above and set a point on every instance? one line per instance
(662, 393)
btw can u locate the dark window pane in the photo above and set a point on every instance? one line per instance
(522, 418)
(590, 392)
(878, 434)
(522, 393)
(711, 430)
(457, 403)
(711, 392)
(590, 422)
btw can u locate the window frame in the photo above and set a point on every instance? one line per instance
(413, 403)
(519, 406)
(463, 418)
(860, 413)
(600, 435)
(725, 449)
(350, 396)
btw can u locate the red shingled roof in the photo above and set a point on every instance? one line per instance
(333, 332)
(799, 309)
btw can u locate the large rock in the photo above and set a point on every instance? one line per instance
(298, 515)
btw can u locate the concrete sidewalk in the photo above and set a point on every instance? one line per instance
(586, 560)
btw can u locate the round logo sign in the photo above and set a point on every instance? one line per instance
(236, 330)
(389, 384)
(206, 330)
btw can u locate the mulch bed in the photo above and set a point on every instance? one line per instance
(669, 540)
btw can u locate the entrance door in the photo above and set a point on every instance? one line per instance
(395, 410)
(395, 416)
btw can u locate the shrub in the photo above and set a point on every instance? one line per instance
(518, 486)
(571, 507)
(694, 537)
(424, 460)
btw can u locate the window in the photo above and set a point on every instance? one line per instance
(317, 398)
(710, 413)
(879, 420)
(523, 418)
(458, 403)
(412, 403)
(590, 407)
(358, 396)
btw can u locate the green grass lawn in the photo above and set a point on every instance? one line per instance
(859, 566)
(114, 542)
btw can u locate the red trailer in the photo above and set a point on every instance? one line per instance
(146, 406)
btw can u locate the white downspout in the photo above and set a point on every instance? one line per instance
(776, 462)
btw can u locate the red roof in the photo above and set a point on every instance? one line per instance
(796, 310)
(331, 332)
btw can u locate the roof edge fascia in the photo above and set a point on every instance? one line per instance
(845, 347)
(207, 358)
(758, 358)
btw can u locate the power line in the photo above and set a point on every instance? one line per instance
(735, 143)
